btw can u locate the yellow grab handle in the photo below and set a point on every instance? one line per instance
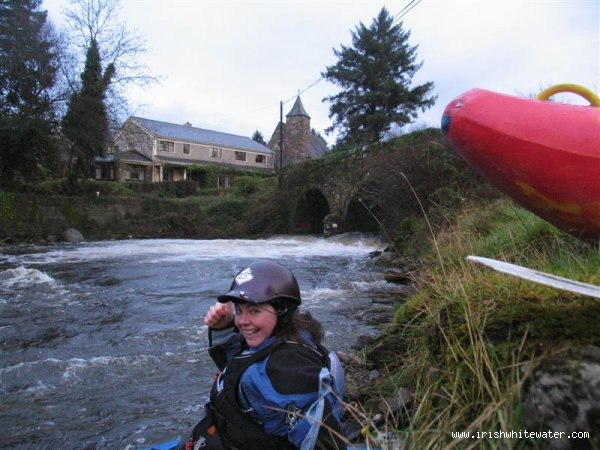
(574, 88)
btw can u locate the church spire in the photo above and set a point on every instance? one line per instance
(297, 109)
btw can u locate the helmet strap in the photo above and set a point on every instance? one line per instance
(285, 314)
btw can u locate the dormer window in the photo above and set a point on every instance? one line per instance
(166, 146)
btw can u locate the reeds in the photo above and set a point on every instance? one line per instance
(471, 337)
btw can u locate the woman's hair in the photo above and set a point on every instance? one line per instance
(304, 321)
(294, 325)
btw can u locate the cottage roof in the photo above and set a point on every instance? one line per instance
(133, 156)
(188, 133)
(318, 146)
(297, 109)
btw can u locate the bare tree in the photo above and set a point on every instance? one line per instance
(98, 20)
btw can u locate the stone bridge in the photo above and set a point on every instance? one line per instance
(327, 196)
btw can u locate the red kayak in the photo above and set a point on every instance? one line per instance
(544, 155)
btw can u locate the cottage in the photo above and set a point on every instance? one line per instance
(150, 150)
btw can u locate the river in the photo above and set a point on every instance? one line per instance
(103, 344)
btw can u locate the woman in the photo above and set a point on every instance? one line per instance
(277, 387)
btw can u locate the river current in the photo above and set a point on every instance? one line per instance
(103, 344)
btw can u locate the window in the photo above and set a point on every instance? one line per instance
(186, 149)
(136, 173)
(105, 172)
(261, 159)
(166, 146)
(216, 152)
(240, 156)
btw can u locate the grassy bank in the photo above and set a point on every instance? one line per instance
(467, 342)
(41, 213)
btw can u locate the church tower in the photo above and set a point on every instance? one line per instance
(296, 136)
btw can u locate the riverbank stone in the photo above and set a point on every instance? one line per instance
(563, 395)
(73, 236)
(398, 276)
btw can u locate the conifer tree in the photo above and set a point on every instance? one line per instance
(375, 75)
(86, 122)
(258, 137)
(28, 65)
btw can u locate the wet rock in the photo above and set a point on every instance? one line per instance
(73, 236)
(344, 357)
(362, 341)
(563, 395)
(396, 409)
(400, 402)
(357, 376)
(374, 374)
(399, 276)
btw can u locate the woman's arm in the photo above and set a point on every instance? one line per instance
(223, 338)
(219, 316)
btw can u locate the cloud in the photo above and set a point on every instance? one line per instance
(227, 65)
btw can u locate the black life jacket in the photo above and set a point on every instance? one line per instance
(238, 429)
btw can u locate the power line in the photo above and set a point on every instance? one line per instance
(303, 90)
(403, 9)
(409, 7)
(214, 122)
(399, 15)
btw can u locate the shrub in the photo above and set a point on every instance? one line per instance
(122, 189)
(246, 185)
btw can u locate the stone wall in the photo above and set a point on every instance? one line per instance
(296, 139)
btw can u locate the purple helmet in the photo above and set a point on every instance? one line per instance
(261, 282)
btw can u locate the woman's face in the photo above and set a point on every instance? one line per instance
(255, 322)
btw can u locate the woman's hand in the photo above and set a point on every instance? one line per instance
(219, 315)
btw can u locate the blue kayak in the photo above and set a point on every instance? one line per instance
(171, 445)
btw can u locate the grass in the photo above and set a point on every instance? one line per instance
(115, 211)
(467, 341)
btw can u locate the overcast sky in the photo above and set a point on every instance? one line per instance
(226, 65)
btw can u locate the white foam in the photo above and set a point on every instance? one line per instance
(72, 365)
(168, 250)
(377, 286)
(22, 277)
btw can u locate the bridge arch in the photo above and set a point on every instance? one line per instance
(310, 210)
(322, 196)
(361, 216)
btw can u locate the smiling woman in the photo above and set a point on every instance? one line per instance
(277, 387)
(255, 322)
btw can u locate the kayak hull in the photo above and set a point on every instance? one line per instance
(544, 155)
